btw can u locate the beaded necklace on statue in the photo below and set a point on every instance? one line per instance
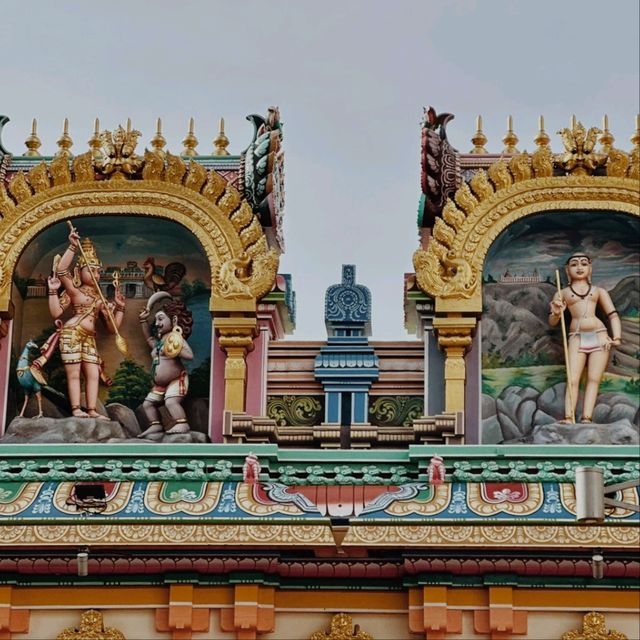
(581, 295)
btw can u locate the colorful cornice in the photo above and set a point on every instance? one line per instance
(201, 462)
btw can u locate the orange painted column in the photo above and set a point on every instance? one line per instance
(429, 613)
(181, 618)
(11, 620)
(500, 620)
(253, 611)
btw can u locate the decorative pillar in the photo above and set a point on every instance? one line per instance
(181, 619)
(11, 620)
(429, 613)
(454, 338)
(500, 621)
(253, 611)
(235, 325)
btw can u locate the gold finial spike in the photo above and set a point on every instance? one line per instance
(95, 144)
(128, 125)
(479, 139)
(606, 138)
(510, 139)
(190, 141)
(542, 139)
(33, 142)
(158, 142)
(574, 122)
(221, 141)
(65, 142)
(635, 138)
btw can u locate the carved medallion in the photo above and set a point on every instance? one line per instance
(341, 629)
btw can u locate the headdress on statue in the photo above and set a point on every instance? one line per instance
(578, 254)
(88, 255)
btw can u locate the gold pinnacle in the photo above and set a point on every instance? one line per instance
(158, 141)
(33, 142)
(606, 138)
(190, 141)
(221, 141)
(510, 139)
(95, 144)
(635, 138)
(479, 139)
(542, 139)
(65, 142)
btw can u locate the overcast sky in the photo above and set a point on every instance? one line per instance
(350, 79)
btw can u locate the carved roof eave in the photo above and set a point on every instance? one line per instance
(464, 463)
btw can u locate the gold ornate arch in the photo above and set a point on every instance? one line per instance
(242, 266)
(201, 201)
(450, 269)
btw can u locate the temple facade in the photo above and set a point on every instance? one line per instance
(226, 480)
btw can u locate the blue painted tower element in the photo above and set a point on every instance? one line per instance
(347, 365)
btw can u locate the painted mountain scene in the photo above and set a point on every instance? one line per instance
(523, 369)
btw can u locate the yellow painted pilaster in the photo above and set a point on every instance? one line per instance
(236, 324)
(454, 337)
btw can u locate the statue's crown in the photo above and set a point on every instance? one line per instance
(88, 255)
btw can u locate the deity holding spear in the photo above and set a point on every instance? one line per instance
(77, 335)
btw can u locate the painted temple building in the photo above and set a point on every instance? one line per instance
(435, 487)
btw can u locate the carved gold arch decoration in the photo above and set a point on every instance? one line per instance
(242, 266)
(450, 270)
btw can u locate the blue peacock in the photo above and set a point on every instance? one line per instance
(30, 378)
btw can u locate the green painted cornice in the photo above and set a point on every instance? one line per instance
(215, 462)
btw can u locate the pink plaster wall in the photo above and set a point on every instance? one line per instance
(216, 390)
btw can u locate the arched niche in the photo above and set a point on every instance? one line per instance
(206, 221)
(522, 366)
(450, 269)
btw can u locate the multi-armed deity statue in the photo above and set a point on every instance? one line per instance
(77, 336)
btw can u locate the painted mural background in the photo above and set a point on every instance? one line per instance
(140, 248)
(522, 357)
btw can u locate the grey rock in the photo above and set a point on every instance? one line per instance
(49, 409)
(551, 401)
(488, 406)
(515, 408)
(622, 432)
(62, 430)
(125, 416)
(540, 417)
(491, 431)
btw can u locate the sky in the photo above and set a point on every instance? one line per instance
(351, 79)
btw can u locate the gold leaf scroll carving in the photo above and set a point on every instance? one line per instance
(91, 628)
(342, 628)
(593, 628)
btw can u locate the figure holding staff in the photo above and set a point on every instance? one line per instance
(588, 340)
(77, 335)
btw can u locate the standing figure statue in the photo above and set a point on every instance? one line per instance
(167, 338)
(589, 342)
(77, 336)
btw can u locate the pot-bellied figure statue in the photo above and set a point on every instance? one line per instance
(167, 338)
